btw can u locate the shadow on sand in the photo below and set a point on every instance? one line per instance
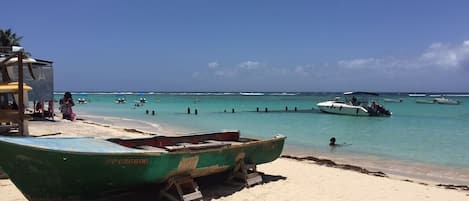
(212, 187)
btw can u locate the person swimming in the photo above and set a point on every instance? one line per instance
(332, 142)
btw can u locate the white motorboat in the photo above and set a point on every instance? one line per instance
(142, 100)
(425, 101)
(120, 100)
(82, 101)
(392, 100)
(356, 104)
(446, 101)
(417, 95)
(251, 94)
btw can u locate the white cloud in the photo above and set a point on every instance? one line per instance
(250, 65)
(440, 61)
(358, 63)
(438, 56)
(304, 70)
(446, 56)
(225, 73)
(195, 74)
(213, 65)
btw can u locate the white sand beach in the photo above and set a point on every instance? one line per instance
(285, 178)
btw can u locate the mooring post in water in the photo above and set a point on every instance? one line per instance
(196, 112)
(232, 110)
(146, 112)
(286, 108)
(188, 110)
(257, 109)
(266, 110)
(153, 112)
(296, 109)
(224, 110)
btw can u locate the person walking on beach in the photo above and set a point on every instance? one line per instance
(66, 104)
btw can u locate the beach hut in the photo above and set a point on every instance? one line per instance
(15, 88)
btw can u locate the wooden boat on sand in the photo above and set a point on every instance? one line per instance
(85, 168)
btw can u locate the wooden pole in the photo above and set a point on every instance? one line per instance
(20, 93)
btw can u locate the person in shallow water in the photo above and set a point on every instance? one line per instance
(333, 144)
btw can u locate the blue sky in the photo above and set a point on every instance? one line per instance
(248, 45)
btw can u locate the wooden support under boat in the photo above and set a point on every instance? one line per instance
(185, 186)
(247, 173)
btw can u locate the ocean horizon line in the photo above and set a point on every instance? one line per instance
(258, 93)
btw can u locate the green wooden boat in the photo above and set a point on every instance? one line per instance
(87, 168)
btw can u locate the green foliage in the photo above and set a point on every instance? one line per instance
(9, 38)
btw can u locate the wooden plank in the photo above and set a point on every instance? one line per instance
(182, 146)
(224, 142)
(152, 148)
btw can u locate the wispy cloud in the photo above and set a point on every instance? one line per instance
(446, 56)
(439, 56)
(429, 70)
(250, 65)
(358, 63)
(213, 65)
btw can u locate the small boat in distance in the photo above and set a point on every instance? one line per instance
(120, 100)
(85, 168)
(446, 101)
(355, 104)
(82, 101)
(392, 100)
(442, 101)
(283, 94)
(417, 95)
(142, 100)
(425, 101)
(251, 94)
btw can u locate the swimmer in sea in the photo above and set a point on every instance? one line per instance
(333, 144)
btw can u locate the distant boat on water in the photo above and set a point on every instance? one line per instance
(120, 100)
(435, 95)
(392, 100)
(82, 101)
(355, 104)
(442, 100)
(446, 101)
(425, 101)
(283, 94)
(251, 94)
(417, 95)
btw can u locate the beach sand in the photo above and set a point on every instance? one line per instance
(287, 178)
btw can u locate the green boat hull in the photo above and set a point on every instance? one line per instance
(43, 174)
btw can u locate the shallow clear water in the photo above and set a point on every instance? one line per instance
(424, 133)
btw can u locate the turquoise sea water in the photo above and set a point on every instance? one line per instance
(423, 133)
